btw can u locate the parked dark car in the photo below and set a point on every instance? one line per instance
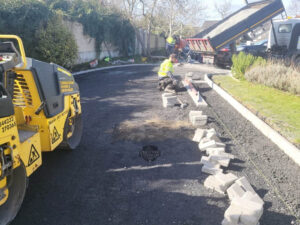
(223, 57)
(257, 49)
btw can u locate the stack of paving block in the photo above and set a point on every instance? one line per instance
(218, 155)
(197, 118)
(210, 167)
(169, 100)
(210, 143)
(246, 206)
(220, 182)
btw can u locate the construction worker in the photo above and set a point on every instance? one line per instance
(170, 45)
(167, 82)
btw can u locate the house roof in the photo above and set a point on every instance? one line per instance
(208, 23)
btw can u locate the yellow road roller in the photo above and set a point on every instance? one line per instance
(40, 111)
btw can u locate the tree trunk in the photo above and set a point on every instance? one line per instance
(171, 21)
(149, 39)
(139, 38)
(108, 50)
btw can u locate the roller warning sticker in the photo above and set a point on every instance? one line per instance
(55, 136)
(33, 156)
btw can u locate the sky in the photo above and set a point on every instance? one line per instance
(236, 4)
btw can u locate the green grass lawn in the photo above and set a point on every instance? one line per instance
(279, 109)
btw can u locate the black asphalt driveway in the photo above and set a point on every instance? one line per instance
(105, 182)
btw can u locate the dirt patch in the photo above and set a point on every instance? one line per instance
(154, 129)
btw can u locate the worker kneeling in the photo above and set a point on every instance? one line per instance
(167, 82)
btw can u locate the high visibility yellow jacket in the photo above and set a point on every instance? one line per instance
(170, 41)
(165, 67)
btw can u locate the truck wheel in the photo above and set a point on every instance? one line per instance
(72, 133)
(17, 184)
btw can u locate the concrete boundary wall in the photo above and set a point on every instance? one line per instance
(288, 148)
(86, 44)
(156, 42)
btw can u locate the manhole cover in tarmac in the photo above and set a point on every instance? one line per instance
(149, 153)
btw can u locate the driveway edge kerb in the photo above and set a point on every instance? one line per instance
(111, 67)
(288, 148)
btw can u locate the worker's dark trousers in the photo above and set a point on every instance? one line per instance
(170, 49)
(166, 83)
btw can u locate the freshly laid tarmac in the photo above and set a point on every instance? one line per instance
(105, 181)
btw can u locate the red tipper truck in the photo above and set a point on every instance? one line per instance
(210, 42)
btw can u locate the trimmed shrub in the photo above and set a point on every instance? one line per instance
(56, 44)
(242, 62)
(276, 75)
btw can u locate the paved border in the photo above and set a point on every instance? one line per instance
(111, 67)
(289, 149)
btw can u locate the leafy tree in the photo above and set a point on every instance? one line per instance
(24, 18)
(64, 5)
(120, 33)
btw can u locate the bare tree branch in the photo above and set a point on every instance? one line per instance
(294, 7)
(223, 8)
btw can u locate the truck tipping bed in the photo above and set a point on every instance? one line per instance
(235, 25)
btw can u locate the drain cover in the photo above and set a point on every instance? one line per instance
(149, 153)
